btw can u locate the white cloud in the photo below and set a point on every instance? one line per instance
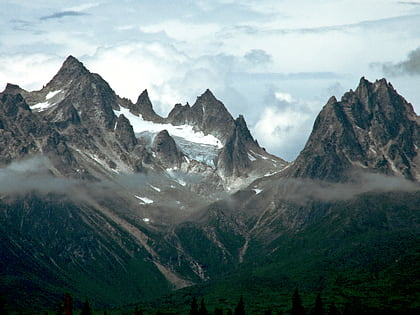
(183, 31)
(82, 7)
(30, 71)
(132, 67)
(285, 125)
(284, 97)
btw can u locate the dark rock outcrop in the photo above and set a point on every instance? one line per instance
(166, 150)
(125, 134)
(208, 115)
(144, 107)
(371, 128)
(24, 133)
(87, 92)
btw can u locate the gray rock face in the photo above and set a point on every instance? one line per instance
(125, 134)
(233, 159)
(23, 133)
(87, 92)
(144, 107)
(166, 150)
(242, 155)
(208, 115)
(372, 127)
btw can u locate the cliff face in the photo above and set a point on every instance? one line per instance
(371, 128)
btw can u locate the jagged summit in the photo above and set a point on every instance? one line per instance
(208, 115)
(108, 134)
(144, 107)
(144, 100)
(12, 89)
(371, 128)
(207, 101)
(208, 94)
(72, 62)
(72, 69)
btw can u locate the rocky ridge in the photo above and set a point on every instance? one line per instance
(82, 107)
(372, 128)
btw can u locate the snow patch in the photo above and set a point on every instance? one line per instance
(257, 191)
(52, 94)
(147, 220)
(252, 158)
(144, 200)
(175, 177)
(258, 155)
(184, 131)
(41, 106)
(155, 188)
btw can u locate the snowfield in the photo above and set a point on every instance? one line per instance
(184, 131)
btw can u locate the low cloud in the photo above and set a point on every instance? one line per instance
(410, 66)
(302, 190)
(34, 175)
(59, 15)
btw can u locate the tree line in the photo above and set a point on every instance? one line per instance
(319, 308)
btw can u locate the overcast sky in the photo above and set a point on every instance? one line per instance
(275, 61)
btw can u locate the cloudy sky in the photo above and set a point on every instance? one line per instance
(275, 61)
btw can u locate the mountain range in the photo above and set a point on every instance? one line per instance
(106, 199)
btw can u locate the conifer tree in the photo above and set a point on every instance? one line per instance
(318, 309)
(240, 308)
(194, 307)
(86, 309)
(297, 307)
(3, 308)
(203, 309)
(218, 311)
(60, 309)
(68, 304)
(333, 310)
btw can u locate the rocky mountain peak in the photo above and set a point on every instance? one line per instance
(212, 117)
(144, 100)
(144, 107)
(372, 127)
(12, 89)
(88, 93)
(72, 64)
(208, 102)
(242, 128)
(71, 70)
(208, 115)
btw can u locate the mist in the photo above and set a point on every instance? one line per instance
(34, 174)
(303, 190)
